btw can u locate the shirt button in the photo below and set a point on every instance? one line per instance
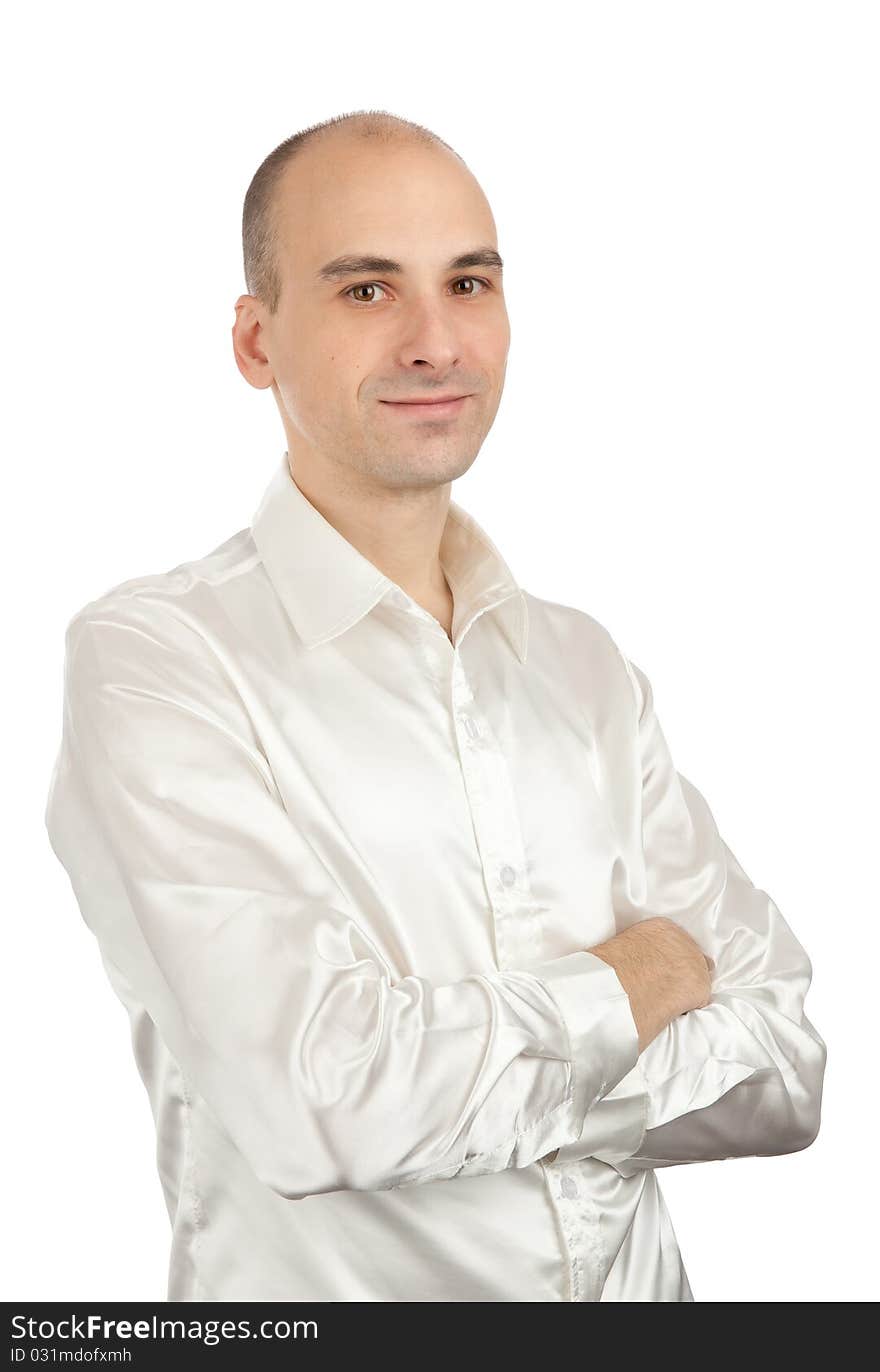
(399, 598)
(569, 1187)
(507, 875)
(472, 727)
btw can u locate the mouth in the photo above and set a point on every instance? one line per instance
(428, 409)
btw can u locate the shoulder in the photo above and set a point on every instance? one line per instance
(571, 640)
(178, 606)
(172, 637)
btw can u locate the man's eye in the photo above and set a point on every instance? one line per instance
(477, 280)
(374, 286)
(364, 286)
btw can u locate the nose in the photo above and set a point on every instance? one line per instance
(429, 336)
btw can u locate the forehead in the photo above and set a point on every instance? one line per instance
(414, 204)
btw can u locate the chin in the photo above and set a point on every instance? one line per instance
(423, 471)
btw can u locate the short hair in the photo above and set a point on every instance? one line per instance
(259, 228)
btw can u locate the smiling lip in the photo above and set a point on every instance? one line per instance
(446, 405)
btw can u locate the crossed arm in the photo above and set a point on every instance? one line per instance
(330, 1072)
(743, 1075)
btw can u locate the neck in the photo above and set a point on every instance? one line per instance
(398, 530)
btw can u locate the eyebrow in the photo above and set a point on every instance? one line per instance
(351, 264)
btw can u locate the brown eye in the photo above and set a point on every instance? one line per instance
(364, 286)
(374, 286)
(476, 279)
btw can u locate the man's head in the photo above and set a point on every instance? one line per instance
(338, 349)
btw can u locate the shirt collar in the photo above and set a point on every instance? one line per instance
(327, 585)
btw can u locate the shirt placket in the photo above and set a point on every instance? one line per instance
(518, 940)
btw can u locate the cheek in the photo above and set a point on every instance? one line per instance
(318, 373)
(493, 339)
(327, 389)
(335, 363)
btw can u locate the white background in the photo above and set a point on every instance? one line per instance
(687, 204)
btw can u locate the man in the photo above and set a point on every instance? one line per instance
(431, 956)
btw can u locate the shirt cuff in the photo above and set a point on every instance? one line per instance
(614, 1129)
(604, 1050)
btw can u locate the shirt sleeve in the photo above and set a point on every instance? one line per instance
(743, 1075)
(326, 1070)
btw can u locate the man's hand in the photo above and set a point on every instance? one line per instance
(663, 971)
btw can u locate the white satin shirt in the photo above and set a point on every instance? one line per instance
(344, 873)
